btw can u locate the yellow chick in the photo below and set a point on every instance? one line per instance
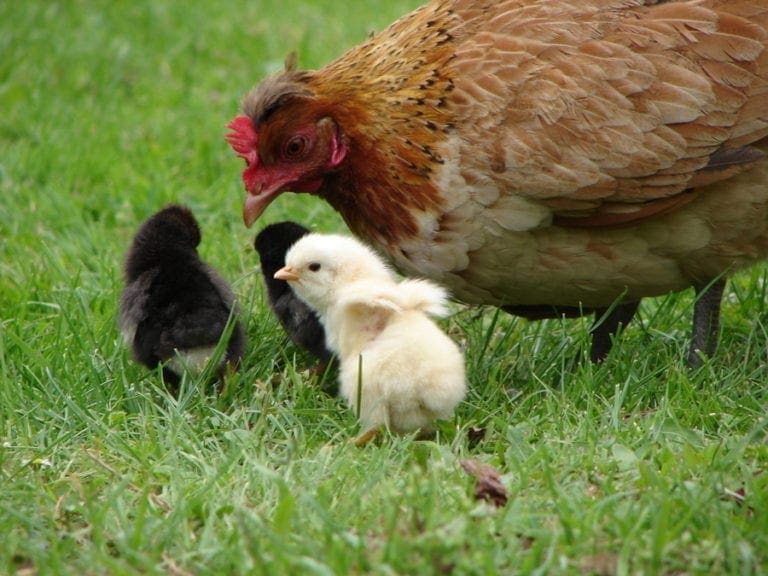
(412, 373)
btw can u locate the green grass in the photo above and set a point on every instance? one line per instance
(110, 110)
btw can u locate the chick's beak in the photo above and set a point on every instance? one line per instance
(288, 274)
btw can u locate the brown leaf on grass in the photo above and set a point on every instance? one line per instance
(488, 482)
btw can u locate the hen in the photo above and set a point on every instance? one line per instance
(396, 365)
(546, 156)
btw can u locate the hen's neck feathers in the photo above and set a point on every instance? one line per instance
(388, 97)
(393, 113)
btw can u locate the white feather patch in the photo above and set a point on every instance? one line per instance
(193, 360)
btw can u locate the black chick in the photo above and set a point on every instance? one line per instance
(173, 301)
(299, 320)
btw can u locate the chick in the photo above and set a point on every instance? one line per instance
(175, 308)
(407, 371)
(298, 320)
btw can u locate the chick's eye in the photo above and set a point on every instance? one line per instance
(314, 267)
(295, 147)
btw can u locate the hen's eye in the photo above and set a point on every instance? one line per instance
(314, 267)
(295, 147)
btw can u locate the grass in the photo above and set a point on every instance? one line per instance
(111, 110)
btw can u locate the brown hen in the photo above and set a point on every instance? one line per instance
(546, 156)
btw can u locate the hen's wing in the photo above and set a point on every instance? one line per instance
(605, 116)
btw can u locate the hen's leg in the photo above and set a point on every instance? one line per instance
(604, 332)
(706, 321)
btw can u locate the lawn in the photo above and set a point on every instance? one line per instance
(111, 110)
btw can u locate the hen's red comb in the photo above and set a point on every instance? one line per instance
(243, 139)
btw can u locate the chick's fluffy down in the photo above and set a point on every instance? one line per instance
(412, 374)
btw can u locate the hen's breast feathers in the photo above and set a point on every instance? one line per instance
(591, 114)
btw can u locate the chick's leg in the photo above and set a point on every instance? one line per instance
(608, 326)
(706, 321)
(366, 437)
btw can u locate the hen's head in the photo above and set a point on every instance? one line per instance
(287, 139)
(318, 266)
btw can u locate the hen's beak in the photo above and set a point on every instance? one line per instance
(257, 200)
(288, 274)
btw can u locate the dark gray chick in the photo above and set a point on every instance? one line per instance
(175, 308)
(299, 320)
